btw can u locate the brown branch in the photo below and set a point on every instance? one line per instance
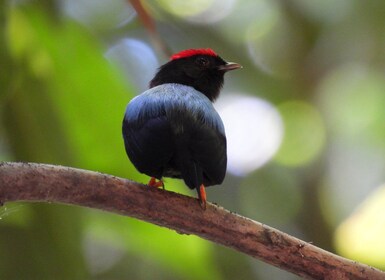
(49, 183)
(149, 24)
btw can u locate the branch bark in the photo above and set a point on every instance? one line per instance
(49, 183)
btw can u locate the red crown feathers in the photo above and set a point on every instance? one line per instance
(191, 52)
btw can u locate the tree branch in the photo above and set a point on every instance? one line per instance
(149, 24)
(49, 183)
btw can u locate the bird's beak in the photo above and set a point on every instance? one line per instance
(229, 66)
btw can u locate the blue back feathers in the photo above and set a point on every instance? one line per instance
(175, 101)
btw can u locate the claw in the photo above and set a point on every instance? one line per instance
(156, 184)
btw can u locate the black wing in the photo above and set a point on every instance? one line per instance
(200, 141)
(208, 147)
(149, 144)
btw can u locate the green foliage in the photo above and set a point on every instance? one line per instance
(320, 64)
(65, 106)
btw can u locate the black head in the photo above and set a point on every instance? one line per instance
(201, 69)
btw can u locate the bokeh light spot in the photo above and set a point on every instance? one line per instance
(326, 10)
(99, 14)
(199, 12)
(136, 59)
(273, 44)
(184, 8)
(254, 132)
(361, 236)
(304, 135)
(353, 101)
(268, 15)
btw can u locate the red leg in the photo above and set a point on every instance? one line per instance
(156, 184)
(202, 196)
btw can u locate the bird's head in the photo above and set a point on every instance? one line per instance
(201, 69)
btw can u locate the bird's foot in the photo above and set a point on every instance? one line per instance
(202, 196)
(156, 184)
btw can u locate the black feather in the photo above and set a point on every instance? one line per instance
(173, 130)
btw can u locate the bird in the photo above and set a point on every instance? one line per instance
(172, 129)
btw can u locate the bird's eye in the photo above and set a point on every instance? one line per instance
(202, 61)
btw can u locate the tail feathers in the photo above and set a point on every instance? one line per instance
(192, 174)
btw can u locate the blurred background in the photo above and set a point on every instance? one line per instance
(305, 121)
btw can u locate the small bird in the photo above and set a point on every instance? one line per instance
(172, 129)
